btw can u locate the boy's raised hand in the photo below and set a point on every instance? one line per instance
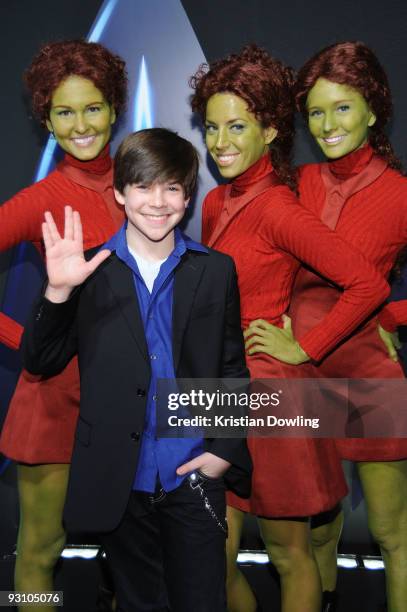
(66, 264)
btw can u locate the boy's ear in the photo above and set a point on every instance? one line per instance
(187, 202)
(119, 196)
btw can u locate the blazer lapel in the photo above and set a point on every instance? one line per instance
(121, 282)
(187, 277)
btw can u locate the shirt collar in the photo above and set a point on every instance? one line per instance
(118, 243)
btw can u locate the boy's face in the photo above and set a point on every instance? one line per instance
(153, 211)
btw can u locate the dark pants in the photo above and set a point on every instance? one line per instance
(171, 543)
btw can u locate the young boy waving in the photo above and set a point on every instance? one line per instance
(152, 304)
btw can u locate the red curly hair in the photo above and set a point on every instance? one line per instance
(58, 60)
(265, 84)
(355, 65)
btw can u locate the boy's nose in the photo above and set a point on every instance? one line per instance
(157, 198)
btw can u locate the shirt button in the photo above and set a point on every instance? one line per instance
(141, 392)
(153, 356)
(155, 398)
(135, 436)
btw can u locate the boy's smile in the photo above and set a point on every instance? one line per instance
(153, 211)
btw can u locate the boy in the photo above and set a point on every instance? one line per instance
(152, 304)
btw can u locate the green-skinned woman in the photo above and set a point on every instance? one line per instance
(247, 106)
(360, 193)
(77, 89)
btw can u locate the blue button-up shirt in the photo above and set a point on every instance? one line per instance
(159, 458)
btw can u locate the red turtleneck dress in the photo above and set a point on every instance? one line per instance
(366, 203)
(260, 224)
(41, 419)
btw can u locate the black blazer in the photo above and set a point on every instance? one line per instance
(101, 323)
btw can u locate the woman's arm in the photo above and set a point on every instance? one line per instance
(390, 318)
(393, 315)
(20, 220)
(293, 229)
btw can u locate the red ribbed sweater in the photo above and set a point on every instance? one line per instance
(268, 238)
(374, 220)
(22, 215)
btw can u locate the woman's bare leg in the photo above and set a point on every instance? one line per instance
(41, 536)
(288, 543)
(239, 593)
(325, 539)
(385, 490)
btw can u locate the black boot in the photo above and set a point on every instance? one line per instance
(329, 600)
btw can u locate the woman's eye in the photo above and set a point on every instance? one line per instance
(315, 113)
(94, 109)
(343, 108)
(237, 127)
(210, 129)
(64, 113)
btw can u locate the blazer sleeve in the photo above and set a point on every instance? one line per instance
(233, 450)
(234, 357)
(50, 338)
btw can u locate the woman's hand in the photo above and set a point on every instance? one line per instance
(263, 337)
(66, 264)
(391, 342)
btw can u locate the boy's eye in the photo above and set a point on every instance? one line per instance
(315, 113)
(343, 108)
(94, 109)
(174, 187)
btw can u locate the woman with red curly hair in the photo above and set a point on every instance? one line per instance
(361, 193)
(247, 106)
(78, 89)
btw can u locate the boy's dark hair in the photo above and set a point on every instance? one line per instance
(156, 154)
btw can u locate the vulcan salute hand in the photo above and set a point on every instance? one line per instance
(66, 264)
